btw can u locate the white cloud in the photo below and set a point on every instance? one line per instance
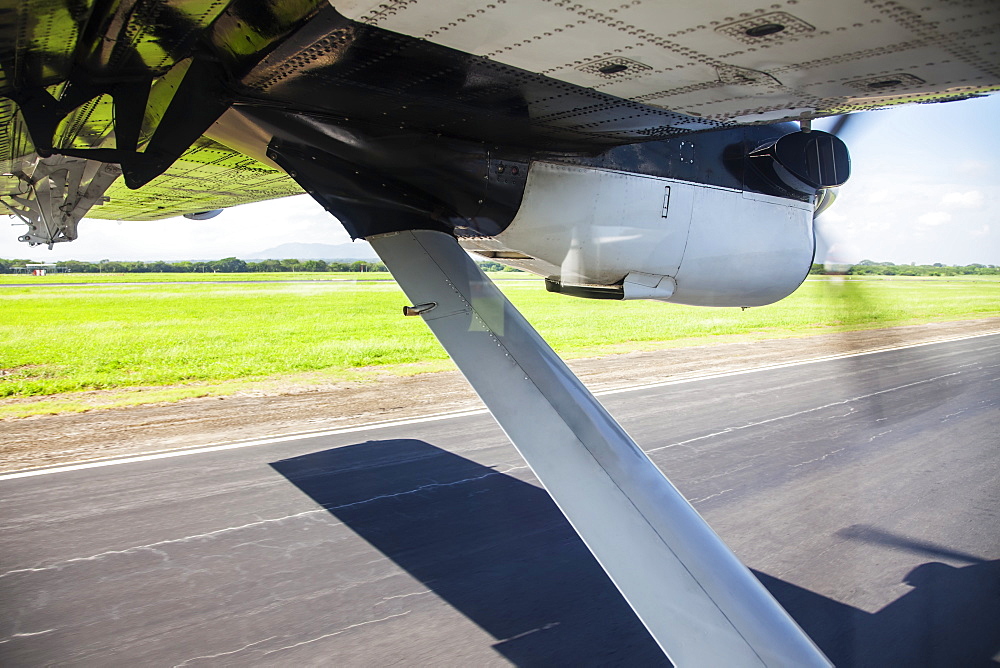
(878, 196)
(974, 167)
(981, 232)
(972, 199)
(934, 218)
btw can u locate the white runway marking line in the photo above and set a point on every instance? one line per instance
(710, 496)
(265, 652)
(337, 633)
(221, 654)
(842, 402)
(785, 365)
(391, 598)
(268, 440)
(157, 546)
(284, 438)
(819, 459)
(25, 635)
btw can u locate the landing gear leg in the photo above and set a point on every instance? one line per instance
(700, 603)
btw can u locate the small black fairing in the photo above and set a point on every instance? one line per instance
(804, 161)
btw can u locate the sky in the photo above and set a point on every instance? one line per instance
(925, 188)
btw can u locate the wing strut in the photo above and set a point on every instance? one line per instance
(700, 603)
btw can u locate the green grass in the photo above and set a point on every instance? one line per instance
(160, 342)
(335, 276)
(56, 279)
(65, 339)
(818, 306)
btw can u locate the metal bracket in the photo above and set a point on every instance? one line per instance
(58, 192)
(419, 309)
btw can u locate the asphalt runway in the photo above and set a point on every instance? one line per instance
(864, 492)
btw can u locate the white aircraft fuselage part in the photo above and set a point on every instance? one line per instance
(593, 227)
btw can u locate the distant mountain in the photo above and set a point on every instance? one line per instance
(357, 250)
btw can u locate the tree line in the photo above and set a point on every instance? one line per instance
(869, 267)
(226, 265)
(233, 265)
(229, 265)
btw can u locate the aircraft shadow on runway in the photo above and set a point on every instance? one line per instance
(499, 551)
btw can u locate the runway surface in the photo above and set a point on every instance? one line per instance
(864, 492)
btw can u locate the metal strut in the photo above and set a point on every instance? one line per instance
(700, 603)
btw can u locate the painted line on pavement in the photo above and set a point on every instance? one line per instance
(436, 417)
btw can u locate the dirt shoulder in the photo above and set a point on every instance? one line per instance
(60, 439)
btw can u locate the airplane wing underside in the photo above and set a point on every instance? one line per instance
(141, 84)
(419, 121)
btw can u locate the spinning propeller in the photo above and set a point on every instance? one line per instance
(825, 199)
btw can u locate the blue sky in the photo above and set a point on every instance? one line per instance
(925, 185)
(925, 188)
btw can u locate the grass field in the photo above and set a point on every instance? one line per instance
(55, 279)
(175, 340)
